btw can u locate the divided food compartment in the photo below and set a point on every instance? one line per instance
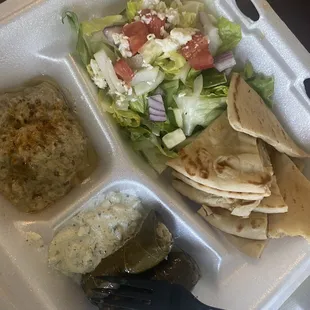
(34, 43)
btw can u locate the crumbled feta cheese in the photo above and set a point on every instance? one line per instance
(182, 35)
(146, 65)
(128, 89)
(167, 45)
(173, 16)
(146, 18)
(147, 4)
(177, 38)
(123, 44)
(96, 74)
(151, 36)
(121, 103)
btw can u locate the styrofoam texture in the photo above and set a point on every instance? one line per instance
(34, 42)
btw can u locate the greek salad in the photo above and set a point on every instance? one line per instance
(162, 70)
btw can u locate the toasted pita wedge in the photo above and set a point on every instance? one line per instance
(224, 159)
(248, 113)
(254, 227)
(213, 200)
(295, 190)
(252, 248)
(216, 192)
(300, 163)
(274, 203)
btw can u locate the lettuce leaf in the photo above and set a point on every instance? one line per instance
(170, 88)
(143, 138)
(215, 92)
(138, 104)
(191, 76)
(188, 20)
(263, 85)
(199, 111)
(230, 34)
(171, 63)
(127, 118)
(150, 51)
(212, 78)
(82, 47)
(133, 6)
(98, 24)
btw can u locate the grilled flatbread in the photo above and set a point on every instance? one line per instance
(274, 203)
(224, 159)
(216, 192)
(213, 200)
(295, 190)
(254, 227)
(248, 113)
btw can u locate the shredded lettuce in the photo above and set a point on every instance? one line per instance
(171, 63)
(230, 34)
(133, 6)
(263, 85)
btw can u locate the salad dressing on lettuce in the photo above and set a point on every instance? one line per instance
(162, 70)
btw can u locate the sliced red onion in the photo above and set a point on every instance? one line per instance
(156, 112)
(157, 118)
(156, 102)
(110, 30)
(157, 108)
(224, 61)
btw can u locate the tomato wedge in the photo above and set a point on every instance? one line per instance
(137, 35)
(123, 71)
(154, 23)
(197, 52)
(202, 60)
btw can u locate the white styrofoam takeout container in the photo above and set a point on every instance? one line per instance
(34, 42)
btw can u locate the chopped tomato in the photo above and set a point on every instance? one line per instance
(123, 71)
(197, 43)
(197, 52)
(202, 60)
(137, 35)
(155, 25)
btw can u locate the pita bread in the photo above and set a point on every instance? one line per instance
(224, 159)
(254, 227)
(295, 190)
(213, 200)
(252, 248)
(216, 192)
(274, 203)
(300, 163)
(248, 113)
